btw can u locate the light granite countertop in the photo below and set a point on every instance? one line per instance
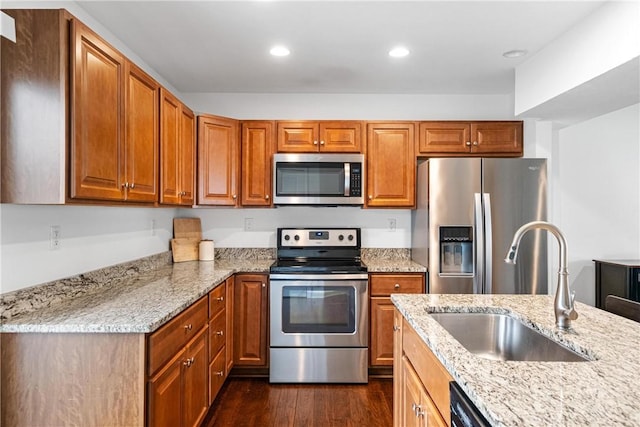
(601, 392)
(377, 265)
(140, 304)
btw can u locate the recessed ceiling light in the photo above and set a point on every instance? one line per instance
(279, 51)
(516, 53)
(399, 52)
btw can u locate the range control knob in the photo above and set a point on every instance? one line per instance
(341, 237)
(296, 237)
(287, 237)
(350, 237)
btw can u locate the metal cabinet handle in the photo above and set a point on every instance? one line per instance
(396, 328)
(125, 185)
(264, 285)
(220, 373)
(188, 327)
(235, 196)
(475, 142)
(468, 143)
(219, 333)
(266, 197)
(220, 299)
(419, 412)
(188, 362)
(315, 142)
(132, 185)
(414, 408)
(396, 286)
(370, 197)
(321, 142)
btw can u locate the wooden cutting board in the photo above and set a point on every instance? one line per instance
(187, 233)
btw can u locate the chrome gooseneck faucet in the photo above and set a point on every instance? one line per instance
(564, 302)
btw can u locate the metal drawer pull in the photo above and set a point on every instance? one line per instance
(188, 362)
(396, 327)
(219, 333)
(188, 327)
(396, 286)
(220, 373)
(220, 299)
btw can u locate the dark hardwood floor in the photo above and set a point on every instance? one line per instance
(255, 402)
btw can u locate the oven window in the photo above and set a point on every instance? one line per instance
(310, 179)
(318, 309)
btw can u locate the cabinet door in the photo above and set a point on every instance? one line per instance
(97, 128)
(165, 394)
(444, 138)
(195, 393)
(217, 161)
(391, 165)
(342, 136)
(141, 143)
(217, 375)
(297, 137)
(187, 157)
(229, 309)
(419, 410)
(398, 381)
(502, 138)
(257, 154)
(250, 320)
(381, 346)
(170, 111)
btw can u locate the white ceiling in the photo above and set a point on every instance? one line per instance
(337, 46)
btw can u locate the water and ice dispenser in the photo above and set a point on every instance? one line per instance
(456, 250)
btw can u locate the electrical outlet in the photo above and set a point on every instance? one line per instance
(54, 237)
(392, 224)
(248, 224)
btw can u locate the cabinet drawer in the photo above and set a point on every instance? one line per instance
(217, 375)
(217, 333)
(431, 372)
(167, 340)
(385, 284)
(216, 300)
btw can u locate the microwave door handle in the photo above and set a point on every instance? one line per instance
(347, 179)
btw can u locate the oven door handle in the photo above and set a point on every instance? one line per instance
(338, 276)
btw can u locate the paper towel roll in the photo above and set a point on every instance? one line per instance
(205, 250)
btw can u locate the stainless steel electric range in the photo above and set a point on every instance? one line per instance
(318, 307)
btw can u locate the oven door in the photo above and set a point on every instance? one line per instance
(318, 312)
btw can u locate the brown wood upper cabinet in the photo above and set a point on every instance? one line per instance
(446, 139)
(257, 154)
(324, 136)
(218, 161)
(391, 164)
(177, 151)
(114, 138)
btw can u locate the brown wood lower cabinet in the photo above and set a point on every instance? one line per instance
(381, 311)
(420, 382)
(250, 320)
(178, 391)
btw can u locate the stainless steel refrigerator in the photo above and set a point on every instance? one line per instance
(467, 212)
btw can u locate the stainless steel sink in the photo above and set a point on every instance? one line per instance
(501, 337)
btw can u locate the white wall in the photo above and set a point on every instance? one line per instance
(92, 237)
(606, 39)
(597, 193)
(318, 106)
(227, 226)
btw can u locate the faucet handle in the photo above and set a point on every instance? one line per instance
(571, 312)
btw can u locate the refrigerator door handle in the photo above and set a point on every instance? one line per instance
(488, 244)
(478, 237)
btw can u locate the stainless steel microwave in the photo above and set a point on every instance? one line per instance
(318, 179)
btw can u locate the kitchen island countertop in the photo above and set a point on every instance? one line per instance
(602, 392)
